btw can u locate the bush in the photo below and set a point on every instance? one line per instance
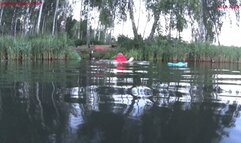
(125, 42)
(78, 42)
(73, 55)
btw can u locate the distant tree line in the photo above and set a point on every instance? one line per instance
(49, 17)
(203, 17)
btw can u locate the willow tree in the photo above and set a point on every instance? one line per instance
(180, 11)
(111, 10)
(174, 11)
(203, 13)
(131, 13)
(155, 7)
(108, 12)
(204, 16)
(207, 17)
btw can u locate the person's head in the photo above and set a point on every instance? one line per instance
(120, 54)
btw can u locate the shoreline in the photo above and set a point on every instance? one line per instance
(161, 49)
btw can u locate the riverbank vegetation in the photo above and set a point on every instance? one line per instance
(166, 49)
(163, 40)
(37, 47)
(31, 31)
(36, 31)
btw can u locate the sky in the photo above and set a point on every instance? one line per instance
(230, 34)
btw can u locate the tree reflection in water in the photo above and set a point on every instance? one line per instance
(104, 109)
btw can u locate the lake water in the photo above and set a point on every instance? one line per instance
(103, 102)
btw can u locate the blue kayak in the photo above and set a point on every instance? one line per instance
(178, 64)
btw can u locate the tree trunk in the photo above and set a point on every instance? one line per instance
(55, 15)
(26, 20)
(13, 22)
(170, 25)
(201, 27)
(98, 31)
(123, 23)
(1, 106)
(88, 26)
(44, 25)
(80, 25)
(105, 34)
(148, 20)
(63, 23)
(131, 12)
(1, 15)
(154, 26)
(39, 17)
(15, 27)
(139, 15)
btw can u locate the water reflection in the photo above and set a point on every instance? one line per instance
(101, 102)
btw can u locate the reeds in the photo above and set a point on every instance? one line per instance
(163, 49)
(38, 47)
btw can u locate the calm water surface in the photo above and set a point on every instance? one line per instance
(102, 102)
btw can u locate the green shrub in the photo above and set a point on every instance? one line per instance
(73, 55)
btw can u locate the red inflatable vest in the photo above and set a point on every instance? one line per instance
(120, 58)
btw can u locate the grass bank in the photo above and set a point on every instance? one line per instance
(38, 47)
(163, 49)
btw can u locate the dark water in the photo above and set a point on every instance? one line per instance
(99, 102)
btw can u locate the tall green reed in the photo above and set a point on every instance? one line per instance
(164, 49)
(36, 47)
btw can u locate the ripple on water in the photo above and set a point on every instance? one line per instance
(98, 98)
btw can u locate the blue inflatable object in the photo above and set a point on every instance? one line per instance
(178, 64)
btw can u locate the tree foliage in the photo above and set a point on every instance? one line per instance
(23, 19)
(202, 16)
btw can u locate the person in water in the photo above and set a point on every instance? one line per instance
(122, 58)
